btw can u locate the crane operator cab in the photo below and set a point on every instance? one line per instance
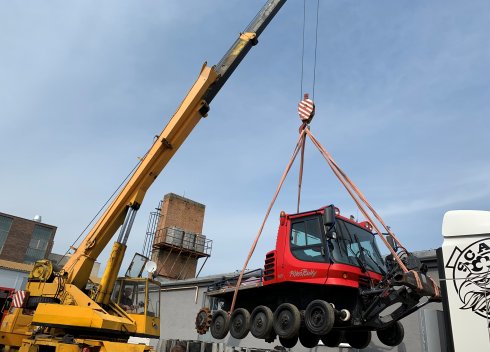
(140, 299)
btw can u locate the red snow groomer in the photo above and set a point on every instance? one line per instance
(326, 279)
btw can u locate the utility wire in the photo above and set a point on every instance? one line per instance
(102, 208)
(303, 51)
(316, 46)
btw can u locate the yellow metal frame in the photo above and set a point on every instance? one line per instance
(78, 310)
(15, 327)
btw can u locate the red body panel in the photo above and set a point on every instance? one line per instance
(5, 293)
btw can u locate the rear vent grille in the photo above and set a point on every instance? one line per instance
(270, 266)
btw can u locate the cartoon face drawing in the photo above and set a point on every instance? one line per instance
(471, 276)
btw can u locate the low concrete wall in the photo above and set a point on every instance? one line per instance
(200, 346)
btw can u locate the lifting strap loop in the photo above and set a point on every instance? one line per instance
(351, 188)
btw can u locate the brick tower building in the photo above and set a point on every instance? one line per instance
(178, 240)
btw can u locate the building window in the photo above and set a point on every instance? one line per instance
(5, 224)
(39, 244)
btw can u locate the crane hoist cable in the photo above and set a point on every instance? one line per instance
(316, 47)
(348, 184)
(304, 104)
(303, 48)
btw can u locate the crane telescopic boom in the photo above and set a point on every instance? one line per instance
(194, 106)
(60, 301)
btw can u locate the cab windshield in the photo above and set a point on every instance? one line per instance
(356, 246)
(137, 296)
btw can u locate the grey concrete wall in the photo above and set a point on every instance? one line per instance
(178, 312)
(180, 306)
(12, 279)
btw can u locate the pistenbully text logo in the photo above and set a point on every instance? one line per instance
(471, 276)
(302, 273)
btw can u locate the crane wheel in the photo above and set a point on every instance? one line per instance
(288, 343)
(220, 324)
(239, 323)
(319, 317)
(332, 339)
(392, 335)
(308, 339)
(261, 322)
(203, 320)
(287, 320)
(358, 339)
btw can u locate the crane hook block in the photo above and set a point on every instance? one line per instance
(306, 109)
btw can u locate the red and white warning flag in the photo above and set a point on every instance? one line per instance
(306, 109)
(19, 298)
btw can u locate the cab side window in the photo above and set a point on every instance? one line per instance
(305, 240)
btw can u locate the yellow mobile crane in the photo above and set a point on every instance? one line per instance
(57, 311)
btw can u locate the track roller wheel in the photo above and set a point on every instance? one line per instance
(287, 320)
(220, 324)
(332, 339)
(358, 339)
(391, 335)
(319, 317)
(288, 343)
(239, 323)
(308, 339)
(203, 320)
(261, 322)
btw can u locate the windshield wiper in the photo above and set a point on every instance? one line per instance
(360, 261)
(361, 252)
(364, 250)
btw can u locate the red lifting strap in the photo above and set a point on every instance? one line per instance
(351, 189)
(299, 144)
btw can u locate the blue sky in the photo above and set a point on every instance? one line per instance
(402, 95)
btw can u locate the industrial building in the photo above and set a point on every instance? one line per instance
(23, 240)
(175, 232)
